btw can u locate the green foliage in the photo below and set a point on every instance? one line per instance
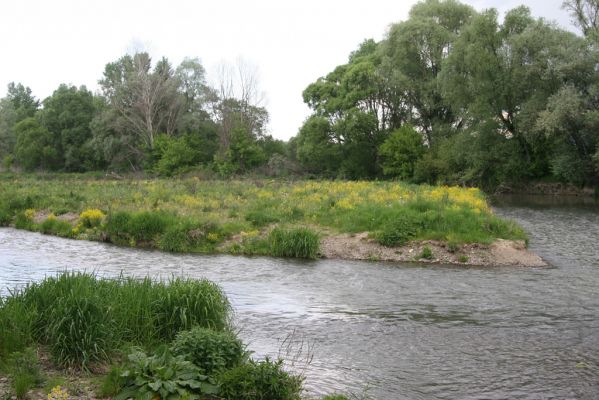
(210, 350)
(113, 382)
(137, 228)
(5, 216)
(34, 146)
(297, 243)
(82, 319)
(164, 376)
(53, 226)
(400, 230)
(262, 216)
(173, 155)
(335, 397)
(402, 149)
(259, 380)
(426, 253)
(25, 372)
(16, 326)
(67, 115)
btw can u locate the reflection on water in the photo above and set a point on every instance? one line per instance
(398, 331)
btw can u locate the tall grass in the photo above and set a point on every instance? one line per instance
(297, 243)
(82, 318)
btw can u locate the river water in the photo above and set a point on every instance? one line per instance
(388, 330)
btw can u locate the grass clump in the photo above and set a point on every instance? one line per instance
(82, 319)
(400, 230)
(297, 243)
(54, 226)
(210, 350)
(426, 253)
(257, 380)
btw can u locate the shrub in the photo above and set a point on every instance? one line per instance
(53, 226)
(145, 226)
(298, 243)
(427, 253)
(259, 380)
(24, 220)
(209, 350)
(132, 228)
(117, 227)
(175, 239)
(163, 376)
(185, 236)
(400, 230)
(91, 218)
(5, 217)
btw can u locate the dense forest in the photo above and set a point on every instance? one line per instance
(450, 95)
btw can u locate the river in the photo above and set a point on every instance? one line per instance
(393, 331)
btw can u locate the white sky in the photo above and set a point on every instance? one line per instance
(45, 43)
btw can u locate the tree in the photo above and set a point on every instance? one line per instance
(400, 152)
(67, 115)
(585, 14)
(317, 147)
(499, 78)
(147, 101)
(18, 104)
(571, 123)
(35, 146)
(414, 53)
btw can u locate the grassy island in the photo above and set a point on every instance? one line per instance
(252, 217)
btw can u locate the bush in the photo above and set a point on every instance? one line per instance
(5, 217)
(298, 243)
(427, 253)
(400, 230)
(53, 226)
(133, 228)
(185, 236)
(259, 380)
(117, 227)
(24, 220)
(163, 376)
(209, 350)
(91, 218)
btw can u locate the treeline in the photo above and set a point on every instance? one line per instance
(148, 117)
(450, 95)
(454, 95)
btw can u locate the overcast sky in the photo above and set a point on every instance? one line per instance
(44, 43)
